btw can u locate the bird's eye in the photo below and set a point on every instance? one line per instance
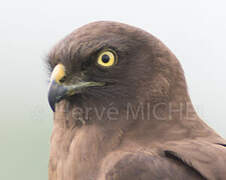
(107, 58)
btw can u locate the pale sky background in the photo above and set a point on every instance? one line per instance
(194, 30)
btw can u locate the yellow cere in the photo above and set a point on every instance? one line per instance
(58, 73)
(106, 58)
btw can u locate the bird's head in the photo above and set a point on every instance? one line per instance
(106, 63)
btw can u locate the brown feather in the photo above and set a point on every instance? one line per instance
(167, 141)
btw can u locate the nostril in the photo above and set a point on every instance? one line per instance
(62, 79)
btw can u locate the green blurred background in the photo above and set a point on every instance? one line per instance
(194, 30)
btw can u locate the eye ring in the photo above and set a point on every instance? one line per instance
(107, 58)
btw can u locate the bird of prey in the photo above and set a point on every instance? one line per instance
(122, 111)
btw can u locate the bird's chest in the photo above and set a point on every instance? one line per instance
(75, 153)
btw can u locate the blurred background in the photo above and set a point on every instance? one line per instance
(194, 30)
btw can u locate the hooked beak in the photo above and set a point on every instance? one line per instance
(58, 91)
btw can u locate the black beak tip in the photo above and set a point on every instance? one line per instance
(51, 103)
(56, 93)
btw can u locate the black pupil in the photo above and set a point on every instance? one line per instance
(105, 58)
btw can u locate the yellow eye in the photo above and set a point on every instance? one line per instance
(107, 58)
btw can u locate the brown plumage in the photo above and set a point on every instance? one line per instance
(137, 123)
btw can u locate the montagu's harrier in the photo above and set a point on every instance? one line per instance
(122, 111)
